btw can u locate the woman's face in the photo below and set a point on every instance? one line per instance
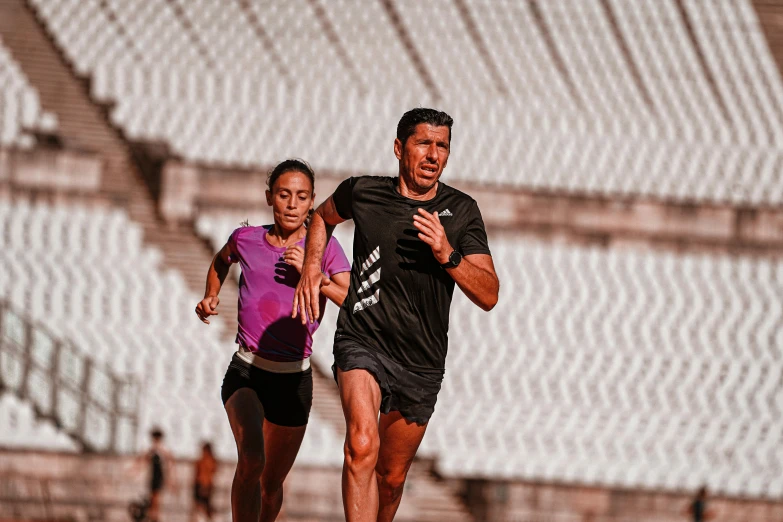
(291, 198)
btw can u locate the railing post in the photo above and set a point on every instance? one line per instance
(28, 359)
(3, 308)
(54, 376)
(85, 399)
(115, 407)
(135, 415)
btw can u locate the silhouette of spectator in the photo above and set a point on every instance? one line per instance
(161, 470)
(698, 508)
(203, 480)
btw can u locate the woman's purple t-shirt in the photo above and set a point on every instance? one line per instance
(266, 295)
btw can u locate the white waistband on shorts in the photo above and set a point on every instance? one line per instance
(272, 366)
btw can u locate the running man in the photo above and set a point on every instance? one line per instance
(268, 388)
(415, 237)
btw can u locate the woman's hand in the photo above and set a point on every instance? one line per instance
(207, 307)
(294, 256)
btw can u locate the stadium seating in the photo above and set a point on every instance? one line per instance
(618, 368)
(20, 107)
(216, 227)
(443, 42)
(65, 386)
(86, 275)
(666, 127)
(22, 429)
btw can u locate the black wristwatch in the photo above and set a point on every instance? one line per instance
(455, 258)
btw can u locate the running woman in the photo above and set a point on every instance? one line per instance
(268, 388)
(415, 237)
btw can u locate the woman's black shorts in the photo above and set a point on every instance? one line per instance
(286, 397)
(411, 393)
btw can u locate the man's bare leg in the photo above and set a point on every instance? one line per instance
(361, 400)
(281, 444)
(400, 440)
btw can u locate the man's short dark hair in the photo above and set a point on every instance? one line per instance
(407, 125)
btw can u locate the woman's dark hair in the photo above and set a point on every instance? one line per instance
(407, 124)
(207, 448)
(156, 433)
(290, 165)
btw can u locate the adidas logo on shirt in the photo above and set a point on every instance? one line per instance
(446, 213)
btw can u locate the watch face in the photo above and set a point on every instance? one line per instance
(454, 258)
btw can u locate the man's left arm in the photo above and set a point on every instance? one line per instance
(475, 275)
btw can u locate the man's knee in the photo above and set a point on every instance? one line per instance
(361, 447)
(251, 460)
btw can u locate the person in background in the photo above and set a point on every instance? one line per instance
(203, 480)
(161, 472)
(698, 508)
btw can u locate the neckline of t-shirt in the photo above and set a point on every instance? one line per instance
(415, 202)
(273, 248)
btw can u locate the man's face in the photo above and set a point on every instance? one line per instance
(423, 156)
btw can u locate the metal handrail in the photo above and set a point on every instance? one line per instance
(87, 400)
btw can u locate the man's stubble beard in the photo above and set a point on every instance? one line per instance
(423, 189)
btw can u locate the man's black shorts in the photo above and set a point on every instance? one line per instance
(286, 397)
(413, 394)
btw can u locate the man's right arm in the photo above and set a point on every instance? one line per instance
(306, 299)
(216, 274)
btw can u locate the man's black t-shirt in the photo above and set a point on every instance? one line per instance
(399, 299)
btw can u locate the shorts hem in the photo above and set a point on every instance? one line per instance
(290, 424)
(420, 421)
(383, 369)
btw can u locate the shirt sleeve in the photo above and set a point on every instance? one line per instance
(474, 240)
(343, 198)
(335, 260)
(233, 250)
